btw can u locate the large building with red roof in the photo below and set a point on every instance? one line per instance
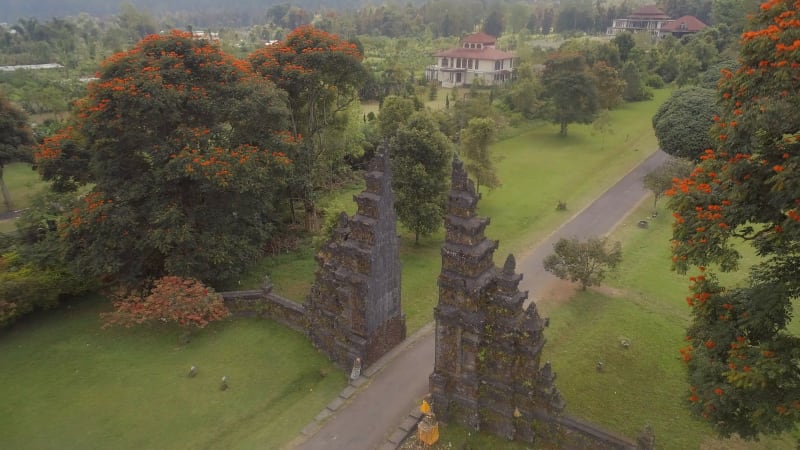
(653, 20)
(682, 26)
(477, 60)
(647, 18)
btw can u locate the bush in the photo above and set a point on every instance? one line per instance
(654, 81)
(182, 301)
(25, 287)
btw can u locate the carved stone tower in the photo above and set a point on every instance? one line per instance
(487, 372)
(353, 309)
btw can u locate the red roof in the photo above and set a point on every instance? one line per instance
(691, 25)
(475, 53)
(652, 12)
(479, 38)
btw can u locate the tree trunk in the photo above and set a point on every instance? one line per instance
(312, 222)
(563, 131)
(416, 237)
(4, 190)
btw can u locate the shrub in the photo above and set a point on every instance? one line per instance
(183, 301)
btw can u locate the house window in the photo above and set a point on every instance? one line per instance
(476, 64)
(498, 65)
(445, 62)
(682, 26)
(469, 63)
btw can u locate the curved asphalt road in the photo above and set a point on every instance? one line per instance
(373, 413)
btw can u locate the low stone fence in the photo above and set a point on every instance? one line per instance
(264, 303)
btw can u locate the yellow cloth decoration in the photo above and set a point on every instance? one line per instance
(425, 408)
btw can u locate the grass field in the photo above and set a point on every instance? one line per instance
(644, 384)
(23, 183)
(642, 302)
(537, 168)
(58, 370)
(67, 384)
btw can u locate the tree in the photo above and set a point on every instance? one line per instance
(609, 85)
(683, 122)
(494, 24)
(185, 302)
(394, 112)
(660, 179)
(732, 13)
(475, 141)
(25, 287)
(603, 125)
(184, 148)
(625, 43)
(584, 262)
(16, 138)
(572, 90)
(420, 156)
(634, 88)
(743, 195)
(321, 74)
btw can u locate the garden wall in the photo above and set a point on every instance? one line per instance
(265, 304)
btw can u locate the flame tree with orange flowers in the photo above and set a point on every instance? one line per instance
(185, 150)
(743, 362)
(321, 74)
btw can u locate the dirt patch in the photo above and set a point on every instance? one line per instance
(554, 294)
(558, 292)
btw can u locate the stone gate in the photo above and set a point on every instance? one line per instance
(487, 374)
(353, 309)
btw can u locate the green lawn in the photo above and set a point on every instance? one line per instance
(23, 183)
(537, 169)
(67, 384)
(58, 370)
(644, 384)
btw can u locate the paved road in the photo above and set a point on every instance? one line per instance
(597, 219)
(376, 410)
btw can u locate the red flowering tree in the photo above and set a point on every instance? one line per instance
(185, 302)
(185, 148)
(321, 74)
(743, 363)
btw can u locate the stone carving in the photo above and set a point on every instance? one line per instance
(353, 310)
(487, 373)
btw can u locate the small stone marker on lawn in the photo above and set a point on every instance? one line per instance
(192, 371)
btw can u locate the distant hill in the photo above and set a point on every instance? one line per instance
(12, 10)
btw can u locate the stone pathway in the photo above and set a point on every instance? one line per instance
(377, 411)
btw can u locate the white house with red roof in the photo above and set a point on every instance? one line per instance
(648, 18)
(682, 26)
(653, 20)
(477, 60)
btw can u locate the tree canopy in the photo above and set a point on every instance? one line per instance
(183, 145)
(420, 157)
(741, 358)
(683, 122)
(322, 75)
(583, 261)
(572, 90)
(475, 140)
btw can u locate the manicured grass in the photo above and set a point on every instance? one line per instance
(23, 183)
(644, 384)
(67, 384)
(538, 169)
